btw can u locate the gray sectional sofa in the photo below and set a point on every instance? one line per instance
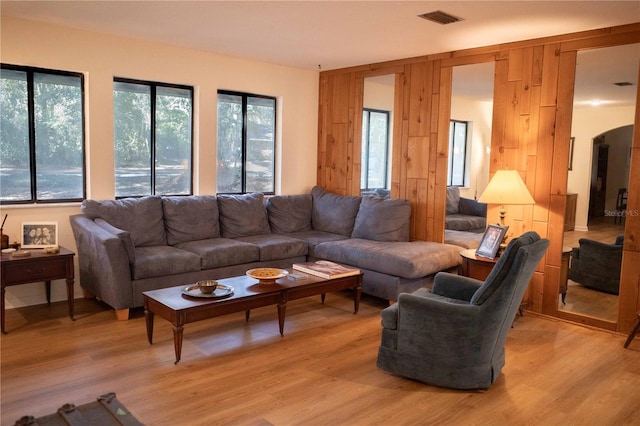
(129, 246)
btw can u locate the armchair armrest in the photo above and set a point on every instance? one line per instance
(455, 286)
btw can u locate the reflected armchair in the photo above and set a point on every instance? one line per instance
(454, 336)
(597, 265)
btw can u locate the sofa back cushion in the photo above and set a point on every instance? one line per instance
(142, 217)
(382, 220)
(290, 213)
(243, 215)
(453, 199)
(332, 212)
(190, 218)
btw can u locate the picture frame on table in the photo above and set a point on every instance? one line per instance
(39, 234)
(491, 240)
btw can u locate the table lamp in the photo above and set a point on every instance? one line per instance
(506, 187)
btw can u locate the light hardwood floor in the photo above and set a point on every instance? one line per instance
(322, 372)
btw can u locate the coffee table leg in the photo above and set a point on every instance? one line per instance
(322, 297)
(282, 310)
(357, 290)
(148, 315)
(177, 341)
(247, 313)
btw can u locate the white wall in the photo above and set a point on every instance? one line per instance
(101, 58)
(589, 122)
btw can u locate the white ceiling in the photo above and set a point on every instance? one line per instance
(332, 34)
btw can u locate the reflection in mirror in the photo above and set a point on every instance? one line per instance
(598, 180)
(469, 149)
(471, 109)
(377, 135)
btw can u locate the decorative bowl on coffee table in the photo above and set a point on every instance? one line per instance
(267, 275)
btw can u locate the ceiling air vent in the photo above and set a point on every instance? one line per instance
(623, 83)
(440, 17)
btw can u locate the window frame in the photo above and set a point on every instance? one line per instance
(451, 157)
(365, 148)
(153, 86)
(245, 96)
(30, 71)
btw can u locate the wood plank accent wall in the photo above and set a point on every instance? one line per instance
(533, 104)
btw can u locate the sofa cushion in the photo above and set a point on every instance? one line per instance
(463, 222)
(403, 259)
(190, 218)
(276, 247)
(142, 217)
(472, 207)
(243, 215)
(219, 252)
(453, 199)
(332, 212)
(382, 220)
(158, 261)
(313, 238)
(124, 236)
(290, 213)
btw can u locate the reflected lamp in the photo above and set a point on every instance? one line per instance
(506, 187)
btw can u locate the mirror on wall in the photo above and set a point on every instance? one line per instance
(598, 179)
(377, 134)
(470, 127)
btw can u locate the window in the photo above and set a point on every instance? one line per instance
(457, 152)
(375, 148)
(42, 135)
(246, 143)
(153, 128)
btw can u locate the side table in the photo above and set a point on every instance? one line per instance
(477, 267)
(37, 267)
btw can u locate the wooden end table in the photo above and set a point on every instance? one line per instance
(178, 309)
(38, 267)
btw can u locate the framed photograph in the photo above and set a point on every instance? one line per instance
(491, 241)
(39, 234)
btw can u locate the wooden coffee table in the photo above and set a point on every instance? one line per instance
(178, 309)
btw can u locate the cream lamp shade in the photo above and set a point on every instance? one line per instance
(506, 187)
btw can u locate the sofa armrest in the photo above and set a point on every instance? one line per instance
(104, 263)
(455, 286)
(472, 207)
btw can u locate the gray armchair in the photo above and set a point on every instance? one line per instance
(454, 336)
(597, 265)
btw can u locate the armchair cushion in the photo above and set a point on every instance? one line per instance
(455, 286)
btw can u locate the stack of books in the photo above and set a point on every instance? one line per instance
(326, 269)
